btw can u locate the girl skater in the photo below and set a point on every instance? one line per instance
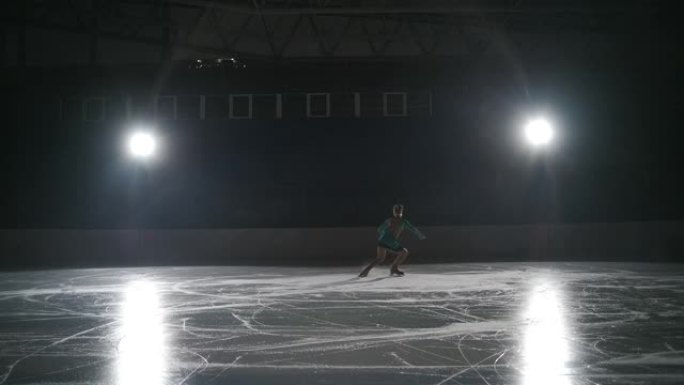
(388, 240)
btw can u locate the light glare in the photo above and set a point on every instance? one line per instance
(142, 144)
(142, 347)
(545, 350)
(539, 132)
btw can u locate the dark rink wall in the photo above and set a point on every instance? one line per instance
(631, 241)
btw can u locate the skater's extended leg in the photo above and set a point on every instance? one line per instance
(381, 254)
(398, 261)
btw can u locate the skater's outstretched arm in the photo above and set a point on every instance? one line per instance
(414, 230)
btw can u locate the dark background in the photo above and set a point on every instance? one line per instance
(617, 156)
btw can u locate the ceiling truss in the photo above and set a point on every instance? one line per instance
(308, 29)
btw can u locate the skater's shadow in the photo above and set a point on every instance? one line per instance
(339, 283)
(379, 279)
(350, 281)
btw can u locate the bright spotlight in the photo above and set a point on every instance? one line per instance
(539, 132)
(142, 144)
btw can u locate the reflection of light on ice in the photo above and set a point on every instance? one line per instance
(141, 349)
(545, 347)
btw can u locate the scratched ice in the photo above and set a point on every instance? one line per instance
(528, 324)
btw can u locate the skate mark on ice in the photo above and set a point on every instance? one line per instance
(11, 366)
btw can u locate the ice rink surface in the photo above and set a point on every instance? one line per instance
(527, 324)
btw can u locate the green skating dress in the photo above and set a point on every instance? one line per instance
(388, 241)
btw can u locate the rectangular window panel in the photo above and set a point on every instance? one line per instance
(216, 107)
(189, 107)
(394, 103)
(141, 107)
(264, 106)
(418, 104)
(240, 106)
(165, 107)
(115, 108)
(371, 104)
(93, 109)
(294, 106)
(318, 105)
(342, 105)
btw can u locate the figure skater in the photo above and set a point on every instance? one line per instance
(388, 241)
